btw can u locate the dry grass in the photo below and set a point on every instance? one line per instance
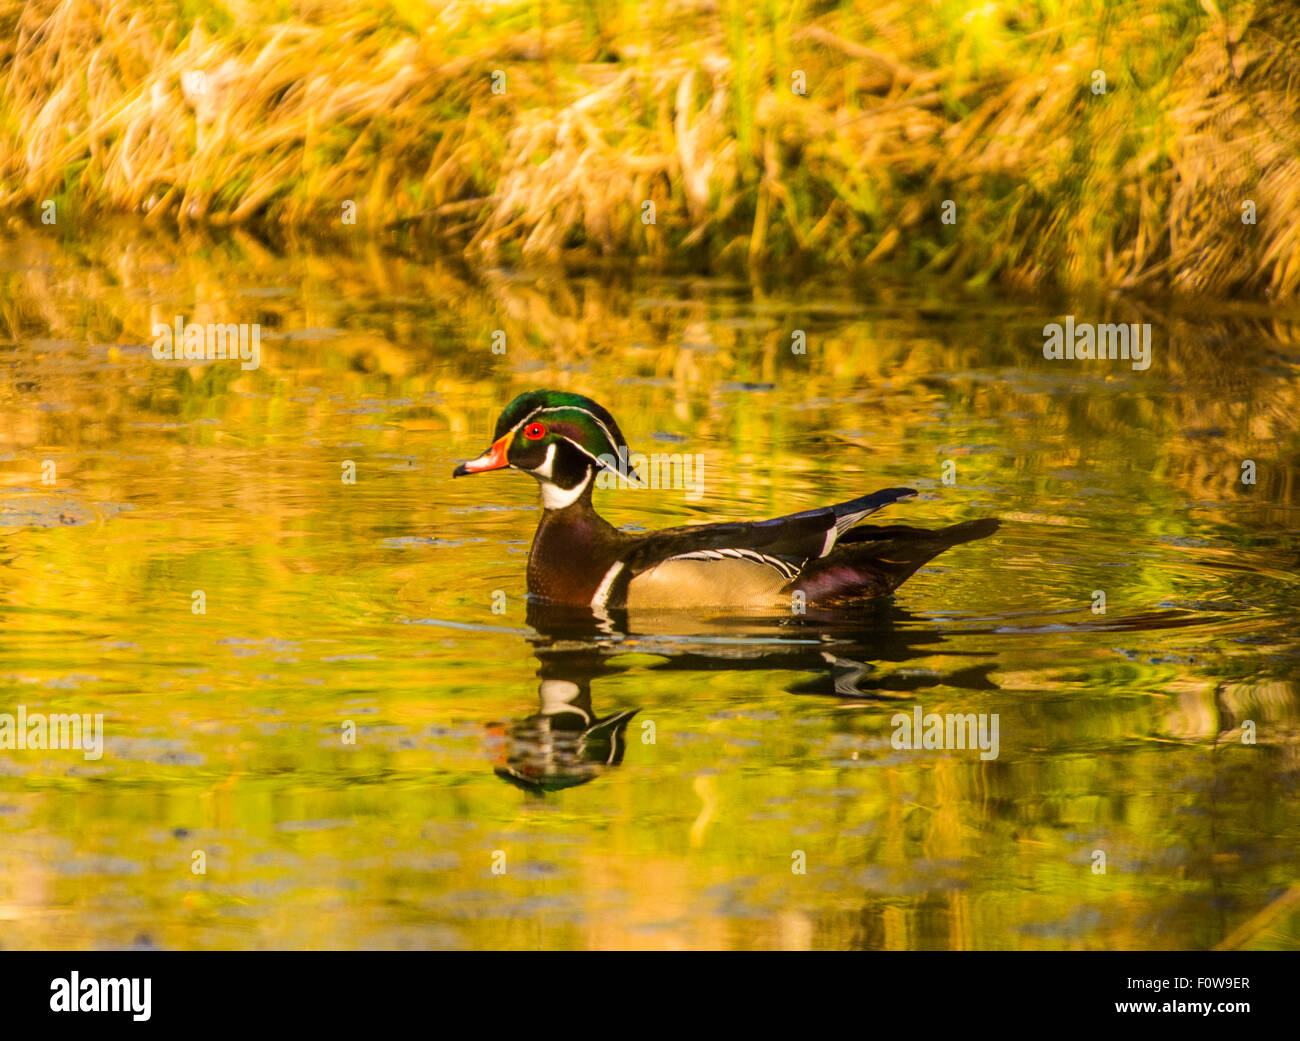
(104, 109)
(689, 106)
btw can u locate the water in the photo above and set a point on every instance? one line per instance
(730, 752)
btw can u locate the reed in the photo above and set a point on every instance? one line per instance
(226, 112)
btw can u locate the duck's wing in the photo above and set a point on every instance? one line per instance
(796, 536)
(743, 559)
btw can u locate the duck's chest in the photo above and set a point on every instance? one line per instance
(570, 560)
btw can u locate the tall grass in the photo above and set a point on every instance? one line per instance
(690, 105)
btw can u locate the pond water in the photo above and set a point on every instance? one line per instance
(366, 739)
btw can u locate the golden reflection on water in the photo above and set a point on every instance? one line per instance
(481, 734)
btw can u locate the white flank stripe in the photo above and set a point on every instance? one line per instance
(606, 583)
(785, 567)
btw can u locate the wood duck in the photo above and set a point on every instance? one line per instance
(580, 559)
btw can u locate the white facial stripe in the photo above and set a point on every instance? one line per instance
(554, 497)
(548, 466)
(594, 459)
(515, 429)
(578, 408)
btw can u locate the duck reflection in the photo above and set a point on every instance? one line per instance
(566, 743)
(563, 744)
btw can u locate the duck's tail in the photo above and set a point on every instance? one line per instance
(874, 560)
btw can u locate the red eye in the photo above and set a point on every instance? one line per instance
(534, 431)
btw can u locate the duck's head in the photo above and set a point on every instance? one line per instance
(561, 439)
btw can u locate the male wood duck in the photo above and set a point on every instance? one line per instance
(580, 559)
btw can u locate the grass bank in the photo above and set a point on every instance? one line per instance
(761, 133)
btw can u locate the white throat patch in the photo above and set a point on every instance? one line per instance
(553, 496)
